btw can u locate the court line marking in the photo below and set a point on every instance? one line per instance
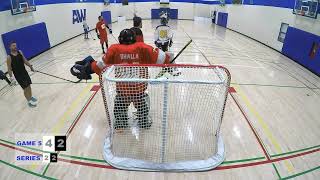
(26, 170)
(270, 85)
(259, 118)
(64, 118)
(275, 168)
(75, 121)
(252, 128)
(218, 168)
(251, 109)
(301, 173)
(101, 160)
(239, 50)
(292, 152)
(264, 126)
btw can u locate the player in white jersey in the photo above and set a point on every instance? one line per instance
(163, 34)
(163, 39)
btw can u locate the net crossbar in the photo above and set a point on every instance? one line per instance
(161, 122)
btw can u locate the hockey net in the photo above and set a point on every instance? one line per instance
(161, 122)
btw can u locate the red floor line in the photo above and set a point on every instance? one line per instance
(86, 164)
(78, 118)
(218, 168)
(251, 127)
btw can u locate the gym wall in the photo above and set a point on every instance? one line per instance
(261, 20)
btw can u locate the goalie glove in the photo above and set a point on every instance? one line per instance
(82, 69)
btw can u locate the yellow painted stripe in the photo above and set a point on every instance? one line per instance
(264, 126)
(62, 121)
(64, 118)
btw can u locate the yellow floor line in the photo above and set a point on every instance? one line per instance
(64, 118)
(56, 129)
(264, 126)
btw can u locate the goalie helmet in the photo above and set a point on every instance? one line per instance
(127, 36)
(164, 18)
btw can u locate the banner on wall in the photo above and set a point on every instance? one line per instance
(79, 15)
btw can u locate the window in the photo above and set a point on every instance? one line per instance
(283, 31)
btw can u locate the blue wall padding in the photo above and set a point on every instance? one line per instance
(6, 5)
(222, 19)
(274, 3)
(106, 16)
(298, 44)
(173, 13)
(32, 40)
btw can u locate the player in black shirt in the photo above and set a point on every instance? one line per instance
(15, 63)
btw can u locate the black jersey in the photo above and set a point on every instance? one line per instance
(19, 70)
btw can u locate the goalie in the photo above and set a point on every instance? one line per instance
(127, 52)
(163, 33)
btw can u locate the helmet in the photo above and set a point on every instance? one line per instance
(127, 36)
(164, 18)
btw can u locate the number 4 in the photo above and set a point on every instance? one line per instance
(49, 143)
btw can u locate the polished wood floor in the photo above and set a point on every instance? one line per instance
(271, 125)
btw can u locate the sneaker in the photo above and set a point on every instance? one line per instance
(32, 104)
(34, 99)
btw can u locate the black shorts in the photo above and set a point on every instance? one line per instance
(164, 47)
(23, 80)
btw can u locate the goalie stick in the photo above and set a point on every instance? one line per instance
(58, 77)
(164, 70)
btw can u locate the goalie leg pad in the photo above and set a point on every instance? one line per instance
(121, 105)
(141, 103)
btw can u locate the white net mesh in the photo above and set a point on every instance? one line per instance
(164, 123)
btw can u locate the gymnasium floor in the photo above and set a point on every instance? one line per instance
(271, 125)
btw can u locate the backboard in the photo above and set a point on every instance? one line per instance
(308, 8)
(22, 6)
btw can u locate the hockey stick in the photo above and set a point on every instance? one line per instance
(115, 38)
(58, 77)
(164, 70)
(181, 51)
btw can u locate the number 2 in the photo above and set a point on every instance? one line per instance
(60, 143)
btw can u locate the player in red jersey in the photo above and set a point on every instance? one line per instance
(127, 52)
(102, 32)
